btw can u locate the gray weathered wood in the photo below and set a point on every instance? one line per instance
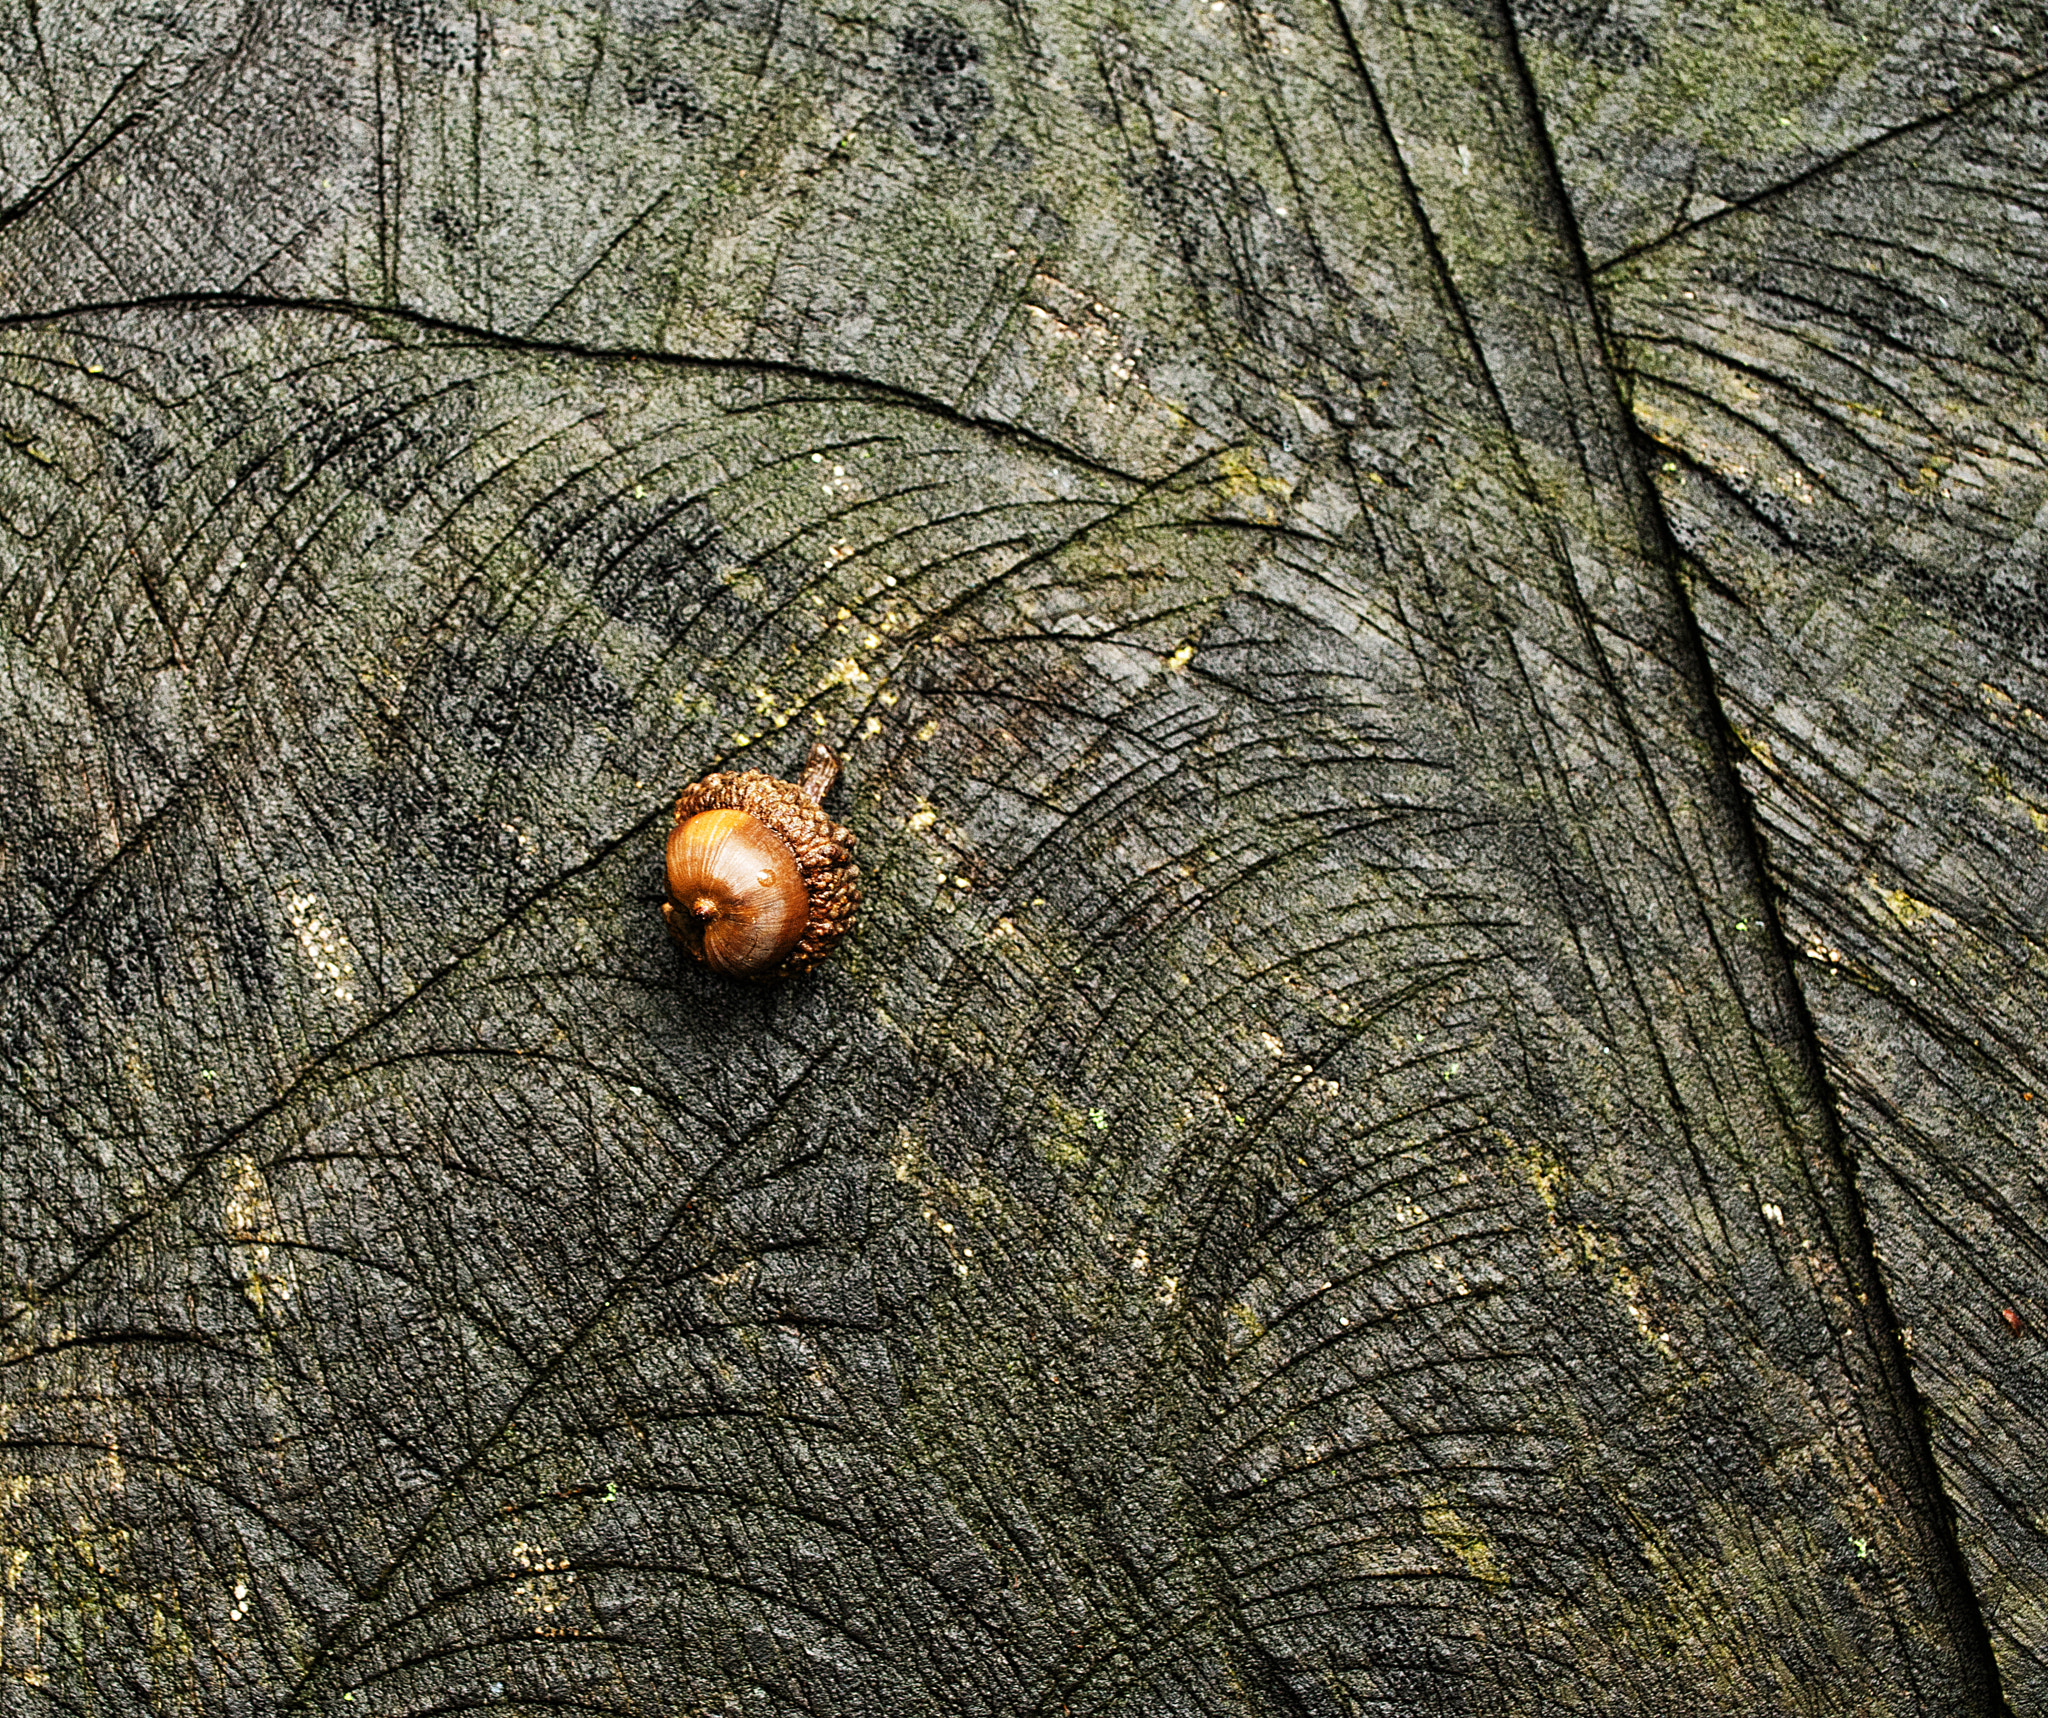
(1315, 1188)
(1848, 376)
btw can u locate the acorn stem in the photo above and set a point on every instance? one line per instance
(821, 770)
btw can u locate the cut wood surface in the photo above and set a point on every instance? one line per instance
(1434, 616)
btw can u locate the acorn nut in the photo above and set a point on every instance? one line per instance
(761, 882)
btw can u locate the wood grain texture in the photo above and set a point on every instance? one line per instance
(1316, 1186)
(1848, 379)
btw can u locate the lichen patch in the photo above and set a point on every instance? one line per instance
(321, 941)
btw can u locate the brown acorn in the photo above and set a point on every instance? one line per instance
(761, 882)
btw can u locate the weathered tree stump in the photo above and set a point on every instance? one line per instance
(1435, 621)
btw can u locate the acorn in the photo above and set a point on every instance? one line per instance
(761, 882)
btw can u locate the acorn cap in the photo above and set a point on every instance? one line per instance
(823, 850)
